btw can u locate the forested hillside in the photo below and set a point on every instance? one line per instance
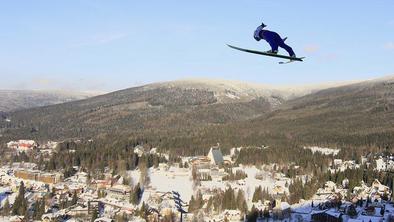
(193, 117)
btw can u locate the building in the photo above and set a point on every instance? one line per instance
(103, 219)
(215, 156)
(281, 210)
(278, 190)
(119, 191)
(380, 164)
(47, 178)
(22, 145)
(201, 162)
(364, 160)
(139, 150)
(337, 162)
(232, 215)
(326, 216)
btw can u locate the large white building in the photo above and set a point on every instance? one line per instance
(215, 156)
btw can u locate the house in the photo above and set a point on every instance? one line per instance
(364, 160)
(278, 190)
(153, 150)
(79, 210)
(215, 156)
(330, 215)
(380, 164)
(337, 162)
(139, 150)
(345, 183)
(281, 210)
(22, 145)
(16, 218)
(379, 191)
(330, 186)
(200, 162)
(380, 188)
(232, 215)
(103, 219)
(119, 191)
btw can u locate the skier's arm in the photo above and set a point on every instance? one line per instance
(257, 34)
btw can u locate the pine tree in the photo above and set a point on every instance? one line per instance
(94, 215)
(20, 204)
(266, 213)
(191, 204)
(132, 196)
(36, 210)
(135, 195)
(241, 202)
(392, 191)
(42, 208)
(74, 199)
(352, 211)
(209, 205)
(253, 214)
(143, 211)
(6, 208)
(257, 194)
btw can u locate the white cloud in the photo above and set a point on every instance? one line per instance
(312, 48)
(389, 46)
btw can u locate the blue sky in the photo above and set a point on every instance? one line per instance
(109, 45)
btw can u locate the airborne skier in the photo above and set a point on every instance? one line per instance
(273, 39)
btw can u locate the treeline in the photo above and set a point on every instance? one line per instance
(304, 190)
(262, 195)
(238, 175)
(95, 157)
(286, 157)
(220, 201)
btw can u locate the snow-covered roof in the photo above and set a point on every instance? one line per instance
(354, 220)
(334, 213)
(103, 219)
(215, 155)
(284, 205)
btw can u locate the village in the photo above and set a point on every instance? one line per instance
(148, 195)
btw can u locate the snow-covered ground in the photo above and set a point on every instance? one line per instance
(179, 179)
(232, 96)
(174, 179)
(323, 150)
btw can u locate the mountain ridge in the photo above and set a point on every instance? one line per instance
(12, 100)
(170, 115)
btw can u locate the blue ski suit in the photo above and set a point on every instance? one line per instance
(273, 39)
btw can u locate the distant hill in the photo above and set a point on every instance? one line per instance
(12, 100)
(177, 105)
(360, 114)
(196, 113)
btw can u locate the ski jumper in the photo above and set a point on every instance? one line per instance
(273, 39)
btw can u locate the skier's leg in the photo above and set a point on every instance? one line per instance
(272, 40)
(289, 50)
(274, 46)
